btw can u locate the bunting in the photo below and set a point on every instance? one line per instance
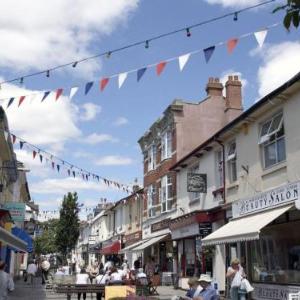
(260, 37)
(22, 98)
(73, 91)
(122, 77)
(231, 44)
(182, 60)
(140, 73)
(160, 67)
(88, 86)
(208, 52)
(34, 154)
(103, 83)
(58, 93)
(11, 100)
(46, 94)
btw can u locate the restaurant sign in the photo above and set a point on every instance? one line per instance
(197, 182)
(267, 200)
(16, 210)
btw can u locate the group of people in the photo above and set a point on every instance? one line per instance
(32, 270)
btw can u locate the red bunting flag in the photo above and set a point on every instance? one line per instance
(231, 44)
(34, 154)
(58, 93)
(103, 83)
(160, 67)
(22, 98)
(13, 138)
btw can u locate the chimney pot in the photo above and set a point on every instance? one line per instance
(236, 77)
(230, 78)
(214, 87)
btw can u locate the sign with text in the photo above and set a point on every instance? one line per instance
(160, 225)
(197, 183)
(273, 292)
(269, 199)
(16, 210)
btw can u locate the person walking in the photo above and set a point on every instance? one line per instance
(31, 272)
(235, 274)
(6, 282)
(208, 292)
(82, 278)
(150, 267)
(93, 271)
(45, 266)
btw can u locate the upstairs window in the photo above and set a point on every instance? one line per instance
(194, 196)
(231, 161)
(166, 193)
(166, 145)
(151, 195)
(272, 141)
(152, 158)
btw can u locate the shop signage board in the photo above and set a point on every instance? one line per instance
(92, 239)
(273, 292)
(160, 225)
(16, 210)
(267, 200)
(197, 182)
(185, 231)
(132, 238)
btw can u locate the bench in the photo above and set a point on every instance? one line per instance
(70, 289)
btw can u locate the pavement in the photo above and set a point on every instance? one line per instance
(37, 291)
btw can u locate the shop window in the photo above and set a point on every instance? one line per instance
(151, 194)
(189, 245)
(275, 257)
(152, 158)
(166, 193)
(194, 196)
(166, 145)
(272, 141)
(231, 161)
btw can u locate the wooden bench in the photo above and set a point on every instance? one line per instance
(70, 289)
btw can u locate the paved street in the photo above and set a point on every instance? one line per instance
(26, 291)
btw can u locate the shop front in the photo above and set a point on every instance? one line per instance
(110, 250)
(265, 230)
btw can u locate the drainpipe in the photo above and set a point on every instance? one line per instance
(223, 167)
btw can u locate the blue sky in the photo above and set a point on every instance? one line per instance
(99, 132)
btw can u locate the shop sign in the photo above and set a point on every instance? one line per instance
(132, 238)
(274, 292)
(270, 199)
(197, 183)
(29, 227)
(204, 229)
(16, 210)
(185, 231)
(92, 239)
(160, 225)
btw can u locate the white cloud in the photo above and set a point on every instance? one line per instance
(96, 138)
(90, 111)
(81, 154)
(41, 34)
(114, 160)
(234, 3)
(121, 121)
(65, 185)
(280, 63)
(49, 123)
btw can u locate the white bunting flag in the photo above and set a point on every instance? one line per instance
(73, 91)
(122, 78)
(260, 37)
(183, 59)
(6, 135)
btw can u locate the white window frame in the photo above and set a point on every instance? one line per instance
(231, 162)
(166, 145)
(152, 157)
(165, 196)
(219, 169)
(269, 137)
(151, 208)
(194, 196)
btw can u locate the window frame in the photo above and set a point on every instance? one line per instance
(194, 196)
(166, 202)
(232, 161)
(166, 144)
(151, 207)
(152, 150)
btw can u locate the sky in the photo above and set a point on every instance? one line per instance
(99, 131)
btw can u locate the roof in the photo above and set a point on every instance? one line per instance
(241, 117)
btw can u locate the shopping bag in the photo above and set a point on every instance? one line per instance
(237, 280)
(245, 285)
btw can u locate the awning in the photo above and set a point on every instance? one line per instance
(12, 241)
(150, 242)
(113, 248)
(130, 247)
(24, 236)
(243, 229)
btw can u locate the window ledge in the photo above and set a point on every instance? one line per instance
(232, 185)
(277, 167)
(218, 191)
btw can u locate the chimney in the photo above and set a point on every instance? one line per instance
(214, 87)
(233, 93)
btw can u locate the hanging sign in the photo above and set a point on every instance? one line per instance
(197, 183)
(16, 210)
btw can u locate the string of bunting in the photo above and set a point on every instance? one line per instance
(186, 29)
(57, 163)
(208, 52)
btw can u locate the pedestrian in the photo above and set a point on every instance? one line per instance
(125, 265)
(102, 279)
(93, 271)
(45, 266)
(82, 278)
(150, 267)
(235, 274)
(193, 284)
(6, 282)
(208, 292)
(31, 271)
(115, 277)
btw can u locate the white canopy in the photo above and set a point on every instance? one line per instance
(150, 242)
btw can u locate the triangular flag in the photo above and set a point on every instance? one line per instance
(103, 83)
(122, 78)
(140, 73)
(58, 167)
(21, 144)
(69, 172)
(58, 93)
(231, 44)
(34, 154)
(46, 94)
(208, 52)
(88, 86)
(6, 135)
(41, 158)
(13, 138)
(53, 164)
(73, 174)
(182, 60)
(11, 100)
(160, 67)
(22, 98)
(73, 91)
(260, 37)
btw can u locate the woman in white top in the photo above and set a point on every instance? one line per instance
(82, 278)
(31, 271)
(115, 277)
